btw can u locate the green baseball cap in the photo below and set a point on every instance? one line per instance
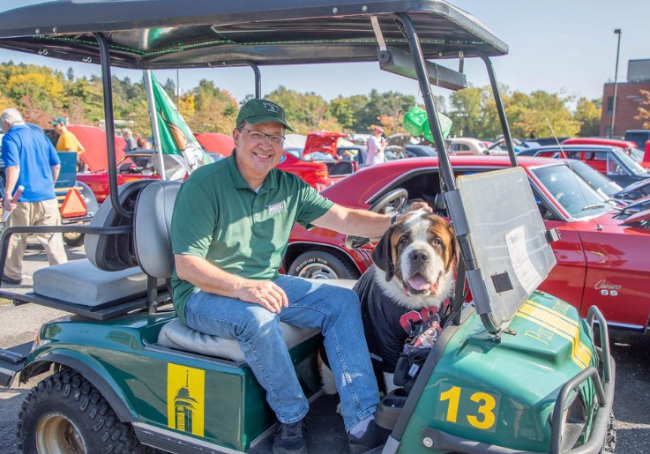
(258, 111)
(59, 121)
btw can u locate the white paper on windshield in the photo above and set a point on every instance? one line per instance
(524, 270)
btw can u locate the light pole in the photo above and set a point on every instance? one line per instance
(618, 50)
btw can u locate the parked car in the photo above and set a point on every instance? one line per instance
(419, 151)
(467, 146)
(601, 260)
(323, 147)
(134, 165)
(611, 161)
(356, 153)
(639, 136)
(635, 191)
(629, 147)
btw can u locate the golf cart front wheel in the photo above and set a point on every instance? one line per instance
(65, 414)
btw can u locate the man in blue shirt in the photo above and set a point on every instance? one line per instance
(32, 162)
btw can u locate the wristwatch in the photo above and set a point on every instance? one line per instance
(393, 219)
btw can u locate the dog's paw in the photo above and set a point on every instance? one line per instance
(339, 409)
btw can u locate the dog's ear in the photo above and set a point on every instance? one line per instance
(382, 255)
(453, 247)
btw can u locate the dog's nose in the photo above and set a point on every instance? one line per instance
(419, 256)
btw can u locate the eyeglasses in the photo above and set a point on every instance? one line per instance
(257, 136)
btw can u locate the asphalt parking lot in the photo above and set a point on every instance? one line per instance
(631, 352)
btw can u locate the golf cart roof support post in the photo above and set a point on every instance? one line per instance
(500, 109)
(432, 112)
(104, 57)
(258, 79)
(151, 106)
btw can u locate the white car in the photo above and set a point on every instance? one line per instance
(469, 146)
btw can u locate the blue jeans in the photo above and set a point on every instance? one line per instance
(336, 311)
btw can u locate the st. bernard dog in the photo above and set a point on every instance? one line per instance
(402, 293)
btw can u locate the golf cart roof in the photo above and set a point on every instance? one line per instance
(156, 34)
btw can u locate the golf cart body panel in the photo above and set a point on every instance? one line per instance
(511, 405)
(229, 406)
(158, 386)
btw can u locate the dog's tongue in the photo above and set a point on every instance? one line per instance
(418, 282)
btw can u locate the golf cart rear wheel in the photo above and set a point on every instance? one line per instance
(65, 414)
(73, 238)
(317, 264)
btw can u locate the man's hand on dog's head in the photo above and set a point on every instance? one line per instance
(264, 293)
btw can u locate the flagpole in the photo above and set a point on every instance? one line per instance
(151, 104)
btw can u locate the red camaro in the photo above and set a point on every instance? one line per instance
(602, 256)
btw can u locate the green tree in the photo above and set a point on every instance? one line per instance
(305, 112)
(588, 115)
(466, 111)
(540, 107)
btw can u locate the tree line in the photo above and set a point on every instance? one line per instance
(41, 93)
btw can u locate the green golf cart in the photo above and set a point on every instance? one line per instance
(514, 371)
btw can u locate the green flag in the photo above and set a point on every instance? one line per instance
(416, 123)
(176, 137)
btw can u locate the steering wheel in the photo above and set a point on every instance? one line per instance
(397, 198)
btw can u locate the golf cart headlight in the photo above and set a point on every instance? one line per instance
(574, 419)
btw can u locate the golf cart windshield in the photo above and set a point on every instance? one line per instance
(513, 256)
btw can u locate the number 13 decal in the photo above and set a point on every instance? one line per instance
(476, 409)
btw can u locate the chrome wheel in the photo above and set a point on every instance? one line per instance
(317, 271)
(56, 434)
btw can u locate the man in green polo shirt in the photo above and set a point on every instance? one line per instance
(230, 229)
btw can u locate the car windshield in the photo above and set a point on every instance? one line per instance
(572, 192)
(630, 163)
(636, 154)
(595, 179)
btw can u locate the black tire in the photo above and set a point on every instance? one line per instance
(73, 239)
(318, 264)
(610, 439)
(65, 413)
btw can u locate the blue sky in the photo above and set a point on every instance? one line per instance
(567, 46)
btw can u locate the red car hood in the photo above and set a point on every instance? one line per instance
(93, 139)
(323, 142)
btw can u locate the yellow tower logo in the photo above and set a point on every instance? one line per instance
(186, 399)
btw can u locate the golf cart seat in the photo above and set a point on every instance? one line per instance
(153, 249)
(108, 278)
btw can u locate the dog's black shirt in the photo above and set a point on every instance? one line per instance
(389, 326)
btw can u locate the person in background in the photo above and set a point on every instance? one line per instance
(131, 143)
(68, 141)
(32, 162)
(143, 144)
(375, 147)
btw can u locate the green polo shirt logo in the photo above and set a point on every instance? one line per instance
(219, 217)
(277, 208)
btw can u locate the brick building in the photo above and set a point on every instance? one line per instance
(628, 100)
